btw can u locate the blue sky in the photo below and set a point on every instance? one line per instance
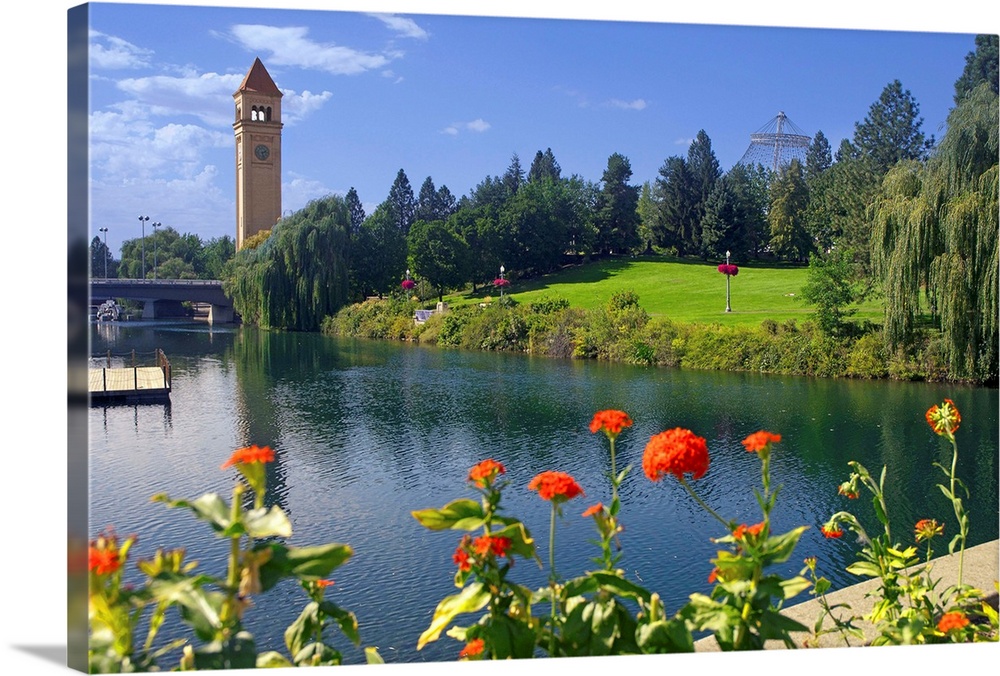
(454, 97)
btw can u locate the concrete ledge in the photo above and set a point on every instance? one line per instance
(980, 570)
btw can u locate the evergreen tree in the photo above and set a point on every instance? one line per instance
(703, 168)
(980, 66)
(647, 217)
(356, 211)
(818, 157)
(617, 217)
(102, 262)
(736, 213)
(379, 255)
(401, 203)
(439, 254)
(676, 199)
(786, 216)
(513, 178)
(427, 209)
(891, 130)
(544, 166)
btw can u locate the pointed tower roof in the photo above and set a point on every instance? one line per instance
(258, 80)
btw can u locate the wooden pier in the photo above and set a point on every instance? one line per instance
(130, 384)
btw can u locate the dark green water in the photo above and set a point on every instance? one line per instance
(367, 432)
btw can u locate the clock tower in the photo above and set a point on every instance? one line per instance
(258, 153)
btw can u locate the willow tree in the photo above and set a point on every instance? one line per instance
(299, 274)
(935, 229)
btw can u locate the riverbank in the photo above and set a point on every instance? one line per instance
(623, 331)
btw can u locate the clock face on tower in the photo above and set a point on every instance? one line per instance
(261, 151)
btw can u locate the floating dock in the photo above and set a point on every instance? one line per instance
(130, 384)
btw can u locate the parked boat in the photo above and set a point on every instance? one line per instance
(109, 311)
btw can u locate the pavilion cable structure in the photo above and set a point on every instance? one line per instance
(776, 144)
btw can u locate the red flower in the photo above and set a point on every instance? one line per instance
(758, 441)
(461, 559)
(729, 270)
(944, 419)
(847, 491)
(248, 455)
(949, 621)
(593, 509)
(484, 473)
(103, 561)
(555, 486)
(611, 421)
(473, 648)
(714, 575)
(500, 281)
(832, 531)
(487, 543)
(408, 284)
(323, 584)
(678, 452)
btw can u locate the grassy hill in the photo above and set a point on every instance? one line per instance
(685, 291)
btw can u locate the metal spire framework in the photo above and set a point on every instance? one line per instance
(776, 144)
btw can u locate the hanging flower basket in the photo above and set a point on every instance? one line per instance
(500, 281)
(729, 270)
(408, 284)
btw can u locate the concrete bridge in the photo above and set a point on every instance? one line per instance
(162, 297)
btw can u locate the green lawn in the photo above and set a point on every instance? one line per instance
(686, 291)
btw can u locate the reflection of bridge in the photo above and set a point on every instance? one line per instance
(162, 297)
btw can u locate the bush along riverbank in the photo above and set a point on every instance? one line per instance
(622, 331)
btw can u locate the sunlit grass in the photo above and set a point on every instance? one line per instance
(685, 291)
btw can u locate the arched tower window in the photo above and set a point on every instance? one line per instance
(239, 112)
(253, 113)
(268, 114)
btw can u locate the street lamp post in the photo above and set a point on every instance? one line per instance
(502, 270)
(105, 231)
(728, 309)
(142, 222)
(155, 226)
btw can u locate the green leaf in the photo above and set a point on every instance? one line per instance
(347, 621)
(665, 636)
(210, 508)
(303, 628)
(372, 656)
(619, 586)
(238, 652)
(199, 608)
(865, 568)
(774, 625)
(793, 586)
(778, 548)
(462, 514)
(272, 660)
(521, 542)
(304, 563)
(470, 599)
(822, 586)
(265, 523)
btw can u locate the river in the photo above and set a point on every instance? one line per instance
(365, 432)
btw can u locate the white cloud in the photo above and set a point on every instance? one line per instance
(289, 46)
(207, 96)
(478, 125)
(408, 28)
(684, 142)
(107, 51)
(635, 104)
(300, 190)
(295, 106)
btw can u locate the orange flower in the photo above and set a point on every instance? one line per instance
(944, 419)
(555, 486)
(832, 531)
(473, 648)
(484, 473)
(103, 561)
(323, 584)
(714, 575)
(593, 509)
(678, 452)
(611, 421)
(954, 620)
(927, 528)
(248, 455)
(758, 441)
(744, 529)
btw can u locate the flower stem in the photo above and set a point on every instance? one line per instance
(708, 509)
(552, 578)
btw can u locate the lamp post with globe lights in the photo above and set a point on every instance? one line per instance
(105, 231)
(155, 226)
(142, 222)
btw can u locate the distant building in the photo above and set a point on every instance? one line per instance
(776, 144)
(258, 153)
